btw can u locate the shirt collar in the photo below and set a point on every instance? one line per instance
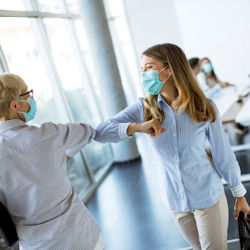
(11, 124)
(161, 102)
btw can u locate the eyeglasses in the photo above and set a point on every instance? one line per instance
(30, 93)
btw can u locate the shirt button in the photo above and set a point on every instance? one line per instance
(174, 134)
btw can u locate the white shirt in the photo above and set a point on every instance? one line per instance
(36, 190)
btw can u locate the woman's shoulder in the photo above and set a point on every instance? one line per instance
(212, 103)
(138, 104)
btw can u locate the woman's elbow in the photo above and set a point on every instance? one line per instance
(106, 138)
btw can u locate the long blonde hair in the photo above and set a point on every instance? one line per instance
(190, 97)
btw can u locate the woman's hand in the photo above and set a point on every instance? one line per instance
(225, 84)
(152, 127)
(241, 205)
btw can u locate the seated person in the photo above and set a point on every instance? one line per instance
(34, 186)
(209, 82)
(195, 64)
(210, 76)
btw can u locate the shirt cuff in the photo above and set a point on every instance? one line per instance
(122, 130)
(238, 190)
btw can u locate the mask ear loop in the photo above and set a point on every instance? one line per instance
(163, 69)
(168, 76)
(22, 101)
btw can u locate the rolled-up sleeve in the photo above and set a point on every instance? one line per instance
(223, 156)
(115, 129)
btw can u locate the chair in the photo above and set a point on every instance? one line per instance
(244, 231)
(7, 226)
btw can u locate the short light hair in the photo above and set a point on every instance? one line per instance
(11, 87)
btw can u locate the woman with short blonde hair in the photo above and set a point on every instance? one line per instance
(180, 119)
(11, 87)
(34, 186)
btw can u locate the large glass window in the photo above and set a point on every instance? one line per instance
(13, 5)
(78, 175)
(73, 5)
(54, 6)
(24, 59)
(51, 55)
(124, 49)
(75, 89)
(22, 54)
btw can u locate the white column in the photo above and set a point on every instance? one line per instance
(106, 69)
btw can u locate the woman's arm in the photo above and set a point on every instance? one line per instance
(115, 129)
(210, 93)
(152, 127)
(126, 123)
(226, 163)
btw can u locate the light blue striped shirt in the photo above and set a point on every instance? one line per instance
(189, 180)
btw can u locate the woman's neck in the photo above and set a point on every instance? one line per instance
(169, 94)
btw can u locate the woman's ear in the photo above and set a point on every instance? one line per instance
(14, 106)
(169, 71)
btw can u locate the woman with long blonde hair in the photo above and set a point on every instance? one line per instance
(180, 119)
(209, 76)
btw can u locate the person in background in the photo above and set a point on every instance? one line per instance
(195, 64)
(180, 119)
(210, 76)
(34, 186)
(211, 85)
(210, 92)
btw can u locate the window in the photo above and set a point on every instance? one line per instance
(50, 54)
(124, 50)
(23, 58)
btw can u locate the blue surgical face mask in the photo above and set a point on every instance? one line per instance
(151, 82)
(207, 67)
(30, 115)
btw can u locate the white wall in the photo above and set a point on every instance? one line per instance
(220, 30)
(152, 22)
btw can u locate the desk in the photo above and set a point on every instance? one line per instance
(234, 109)
(243, 116)
(226, 102)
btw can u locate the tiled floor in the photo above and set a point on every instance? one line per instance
(130, 209)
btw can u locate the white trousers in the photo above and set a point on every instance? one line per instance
(100, 244)
(206, 228)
